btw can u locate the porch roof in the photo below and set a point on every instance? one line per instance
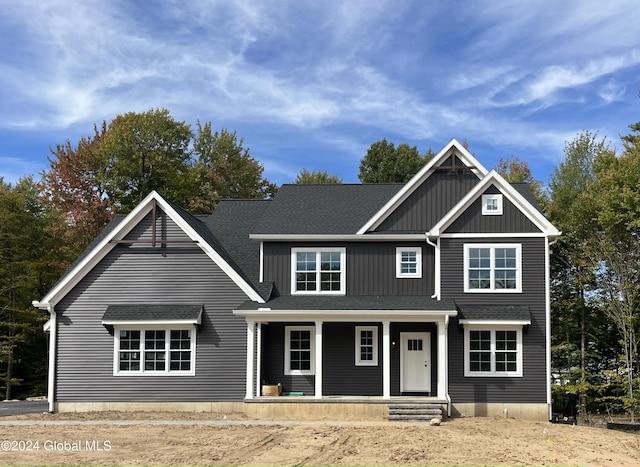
(346, 308)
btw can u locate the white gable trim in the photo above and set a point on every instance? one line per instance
(126, 225)
(512, 195)
(452, 146)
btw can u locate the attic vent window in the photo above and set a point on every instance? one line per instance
(491, 205)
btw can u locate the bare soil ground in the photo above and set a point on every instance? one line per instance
(188, 439)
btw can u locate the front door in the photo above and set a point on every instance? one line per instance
(415, 362)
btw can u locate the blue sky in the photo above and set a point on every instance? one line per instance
(311, 84)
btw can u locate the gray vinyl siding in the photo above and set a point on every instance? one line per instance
(531, 387)
(139, 273)
(511, 220)
(430, 201)
(370, 267)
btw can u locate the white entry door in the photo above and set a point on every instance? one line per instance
(415, 362)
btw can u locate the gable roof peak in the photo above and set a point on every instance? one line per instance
(452, 148)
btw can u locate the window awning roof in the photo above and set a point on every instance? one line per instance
(495, 314)
(146, 314)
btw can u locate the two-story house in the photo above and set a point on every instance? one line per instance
(348, 296)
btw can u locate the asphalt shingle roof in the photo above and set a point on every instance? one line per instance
(495, 312)
(152, 312)
(351, 302)
(324, 209)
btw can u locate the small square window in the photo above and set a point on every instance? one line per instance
(409, 262)
(492, 205)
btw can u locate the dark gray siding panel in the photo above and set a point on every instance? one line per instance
(146, 275)
(341, 376)
(273, 361)
(511, 220)
(371, 268)
(430, 202)
(531, 387)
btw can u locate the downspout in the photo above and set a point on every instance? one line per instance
(548, 322)
(53, 334)
(436, 248)
(446, 370)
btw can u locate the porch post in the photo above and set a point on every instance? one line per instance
(318, 362)
(250, 348)
(443, 359)
(386, 360)
(258, 358)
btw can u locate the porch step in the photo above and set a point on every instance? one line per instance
(414, 412)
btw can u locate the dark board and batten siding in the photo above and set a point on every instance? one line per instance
(371, 268)
(431, 201)
(512, 219)
(139, 273)
(529, 388)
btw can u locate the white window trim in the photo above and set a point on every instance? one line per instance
(318, 251)
(492, 247)
(497, 374)
(373, 362)
(153, 327)
(492, 212)
(414, 275)
(287, 350)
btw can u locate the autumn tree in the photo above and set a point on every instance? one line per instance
(316, 177)
(73, 188)
(386, 163)
(224, 168)
(515, 170)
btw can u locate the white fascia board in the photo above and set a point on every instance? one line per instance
(419, 178)
(345, 315)
(497, 322)
(512, 194)
(336, 238)
(126, 225)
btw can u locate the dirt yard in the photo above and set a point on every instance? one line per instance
(207, 439)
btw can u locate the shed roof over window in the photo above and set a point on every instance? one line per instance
(495, 314)
(142, 314)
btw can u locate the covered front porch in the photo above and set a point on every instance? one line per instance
(372, 354)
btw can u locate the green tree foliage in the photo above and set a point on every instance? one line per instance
(577, 328)
(316, 177)
(24, 274)
(142, 152)
(386, 163)
(225, 169)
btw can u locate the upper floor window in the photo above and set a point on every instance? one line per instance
(318, 271)
(492, 205)
(154, 350)
(409, 262)
(493, 351)
(493, 268)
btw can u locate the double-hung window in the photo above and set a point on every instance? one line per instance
(366, 345)
(299, 350)
(154, 350)
(493, 351)
(493, 268)
(318, 271)
(408, 262)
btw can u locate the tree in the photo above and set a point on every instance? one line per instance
(515, 170)
(384, 163)
(225, 169)
(73, 188)
(142, 152)
(572, 210)
(24, 274)
(316, 177)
